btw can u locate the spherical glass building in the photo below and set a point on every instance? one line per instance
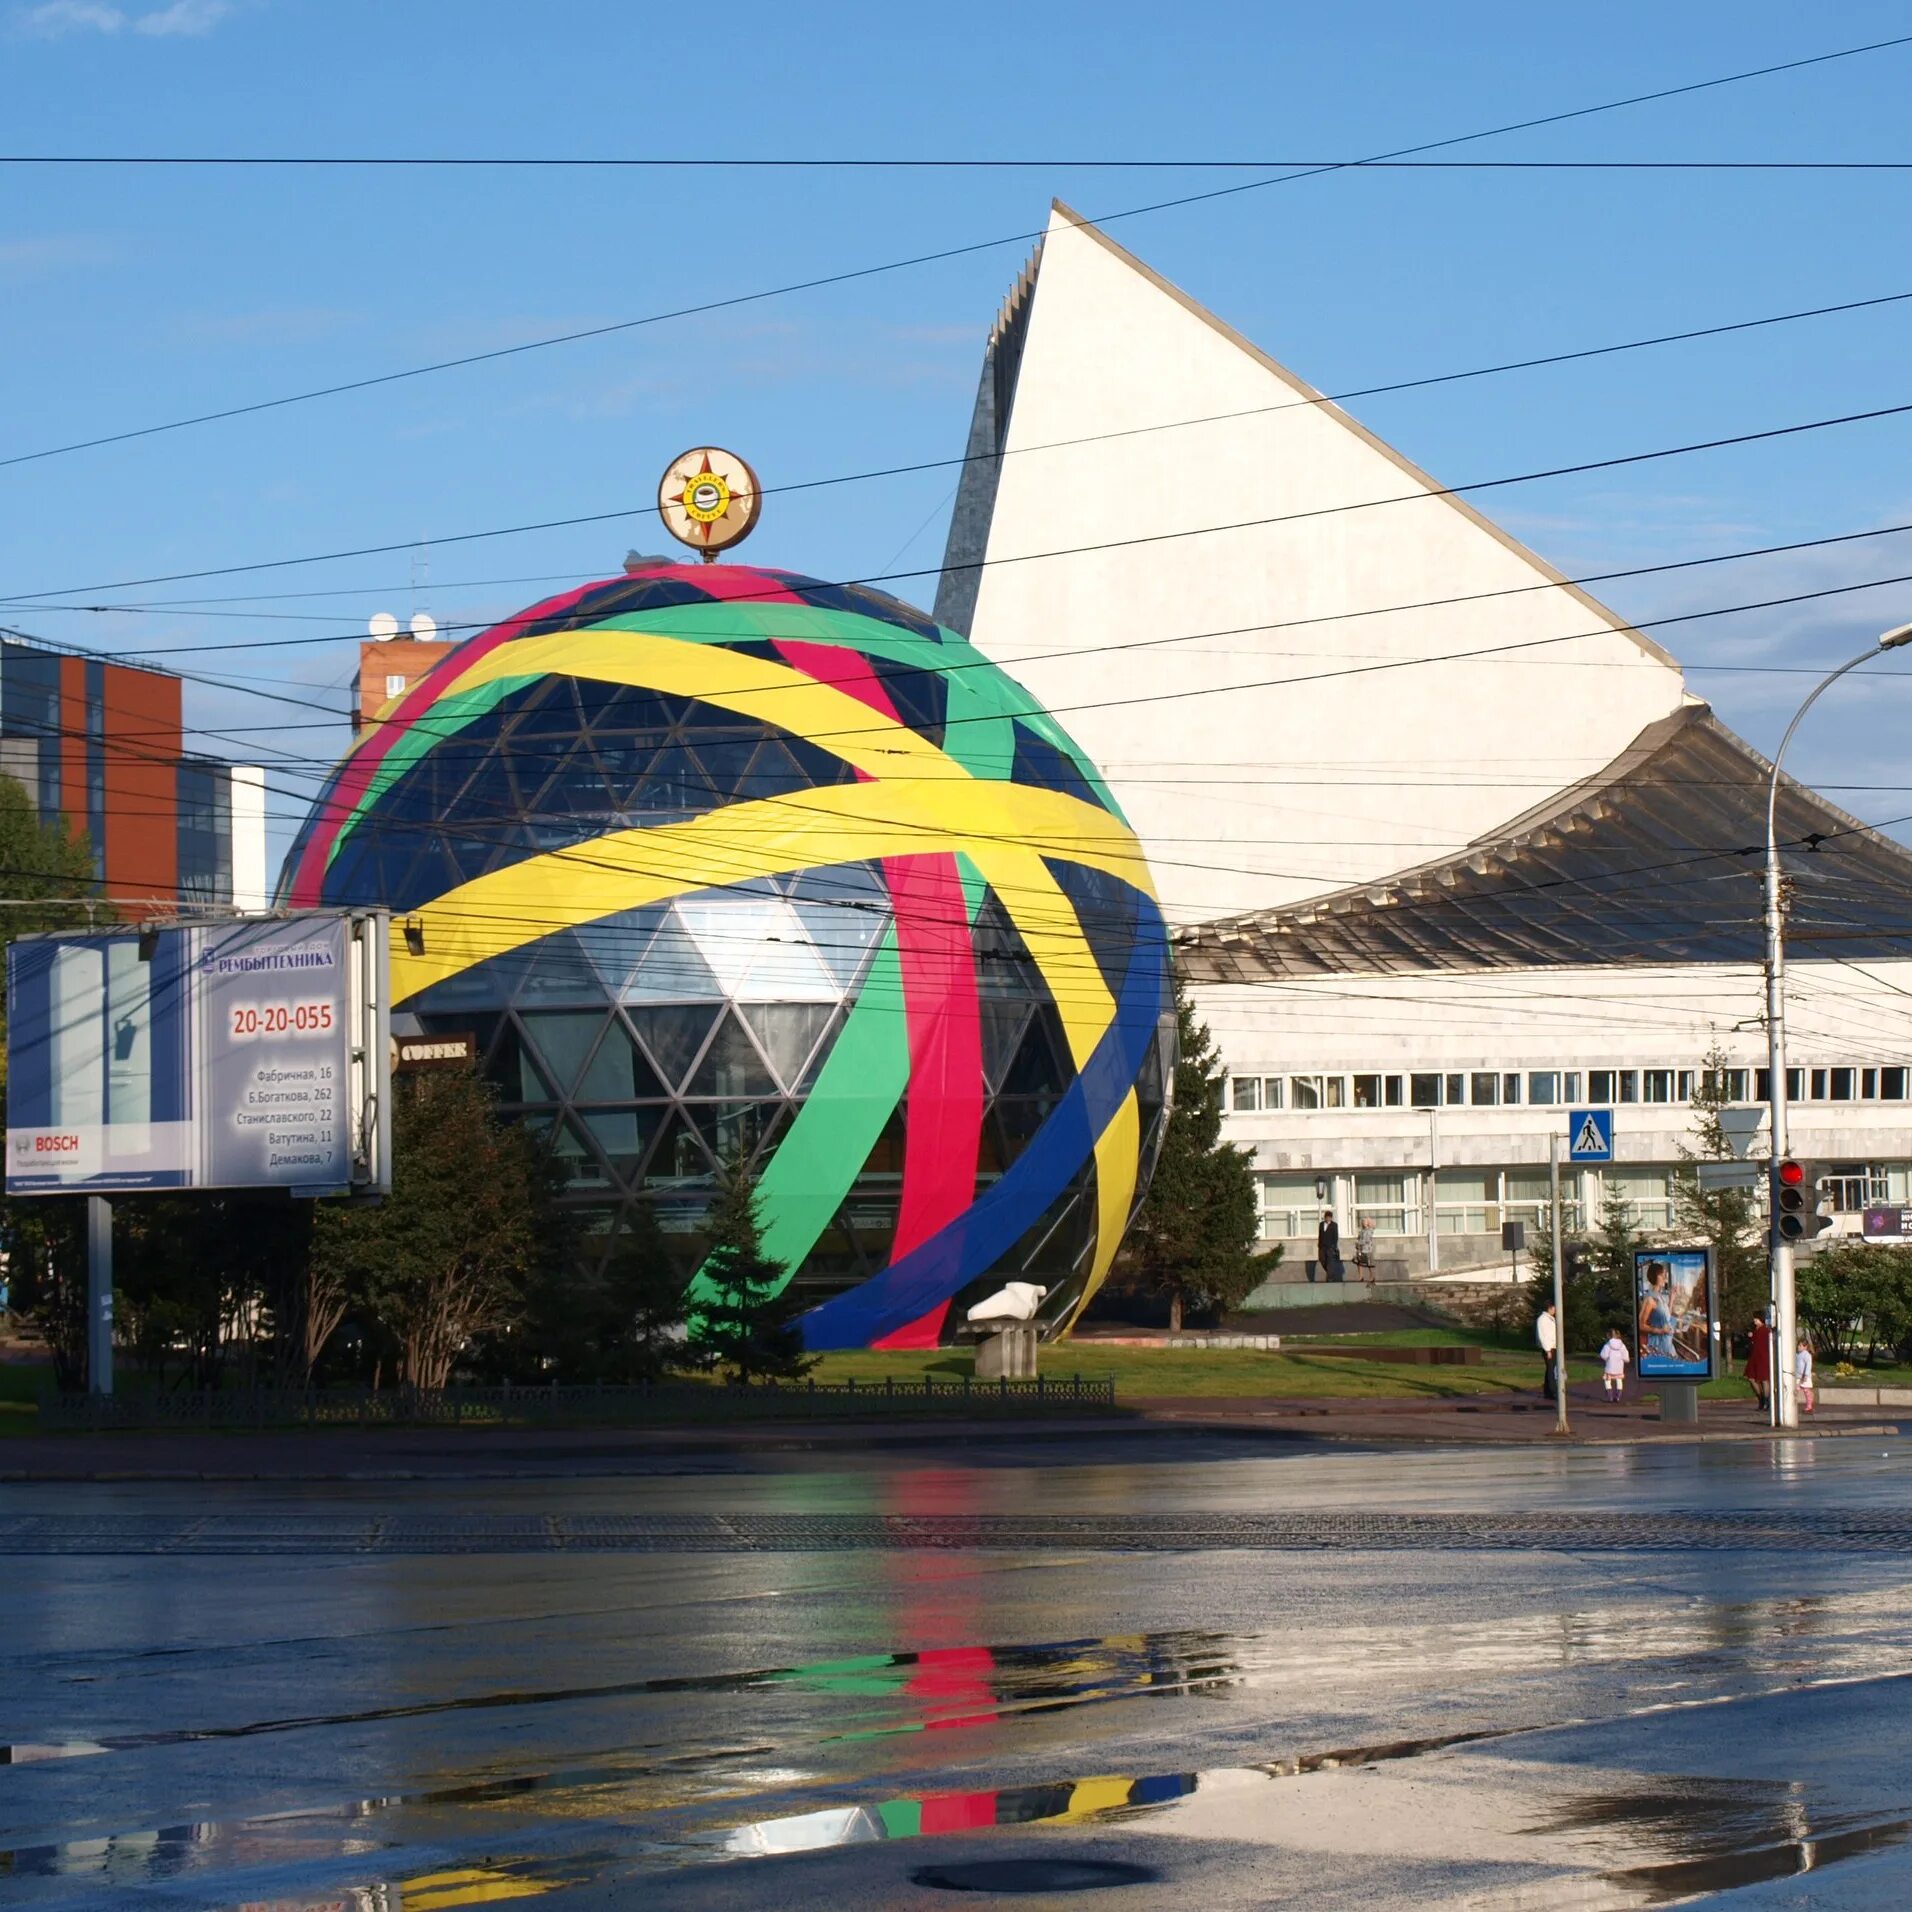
(716, 859)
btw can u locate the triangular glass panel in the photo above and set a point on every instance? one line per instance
(773, 772)
(726, 762)
(577, 1162)
(563, 1043)
(1003, 964)
(731, 1065)
(843, 936)
(787, 1032)
(1037, 1068)
(515, 1069)
(617, 1072)
(559, 972)
(673, 1034)
(732, 1128)
(731, 932)
(821, 1053)
(672, 969)
(1003, 1024)
(678, 1155)
(673, 785)
(551, 710)
(772, 1132)
(624, 1135)
(615, 945)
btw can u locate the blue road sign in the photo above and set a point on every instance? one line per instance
(1590, 1135)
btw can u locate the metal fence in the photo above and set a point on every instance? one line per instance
(668, 1402)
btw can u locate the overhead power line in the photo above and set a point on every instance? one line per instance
(1427, 492)
(788, 162)
(1024, 237)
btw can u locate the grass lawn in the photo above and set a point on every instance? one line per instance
(1144, 1372)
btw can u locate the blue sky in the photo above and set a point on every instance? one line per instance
(130, 297)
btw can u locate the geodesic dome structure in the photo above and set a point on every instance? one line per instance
(717, 860)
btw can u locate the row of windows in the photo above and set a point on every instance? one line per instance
(1475, 1201)
(1553, 1088)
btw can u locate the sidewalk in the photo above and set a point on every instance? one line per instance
(383, 1454)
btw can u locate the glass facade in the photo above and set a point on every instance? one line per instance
(710, 888)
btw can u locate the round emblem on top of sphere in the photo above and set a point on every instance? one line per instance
(709, 500)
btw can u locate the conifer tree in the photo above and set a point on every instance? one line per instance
(1728, 1218)
(1192, 1242)
(745, 1318)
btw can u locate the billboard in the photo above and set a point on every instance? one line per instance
(1673, 1313)
(229, 1055)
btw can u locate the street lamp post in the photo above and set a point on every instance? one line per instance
(1781, 1390)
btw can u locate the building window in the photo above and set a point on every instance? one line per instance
(1288, 1206)
(1868, 1085)
(1271, 1092)
(1857, 1185)
(394, 683)
(1456, 1090)
(1645, 1193)
(1603, 1085)
(1892, 1085)
(1842, 1085)
(1570, 1085)
(1334, 1092)
(1304, 1092)
(1247, 1094)
(1388, 1202)
(1543, 1088)
(1367, 1092)
(1425, 1091)
(1486, 1089)
(1392, 1087)
(1510, 1090)
(1659, 1085)
(1467, 1201)
(1819, 1085)
(1684, 1093)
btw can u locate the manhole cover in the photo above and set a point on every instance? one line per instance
(1034, 1875)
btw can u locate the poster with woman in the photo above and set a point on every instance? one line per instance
(1673, 1313)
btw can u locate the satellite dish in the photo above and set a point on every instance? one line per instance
(709, 499)
(382, 625)
(423, 626)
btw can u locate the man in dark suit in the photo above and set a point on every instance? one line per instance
(1328, 1246)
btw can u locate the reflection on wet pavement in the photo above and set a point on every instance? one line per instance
(394, 1730)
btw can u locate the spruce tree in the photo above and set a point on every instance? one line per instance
(1728, 1218)
(1192, 1242)
(745, 1321)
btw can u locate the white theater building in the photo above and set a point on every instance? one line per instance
(1447, 845)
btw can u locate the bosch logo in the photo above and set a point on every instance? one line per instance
(55, 1144)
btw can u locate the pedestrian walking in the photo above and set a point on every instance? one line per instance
(1614, 1356)
(1328, 1246)
(1759, 1359)
(1802, 1371)
(1364, 1250)
(1547, 1333)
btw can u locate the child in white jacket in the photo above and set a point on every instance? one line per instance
(1614, 1355)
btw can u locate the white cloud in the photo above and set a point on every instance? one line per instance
(182, 19)
(52, 252)
(57, 18)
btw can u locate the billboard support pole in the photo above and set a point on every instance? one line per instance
(1560, 1288)
(99, 1295)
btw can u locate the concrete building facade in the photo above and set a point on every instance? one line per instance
(1450, 848)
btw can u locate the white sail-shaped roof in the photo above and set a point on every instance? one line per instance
(1174, 591)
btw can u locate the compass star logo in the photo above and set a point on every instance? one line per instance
(709, 499)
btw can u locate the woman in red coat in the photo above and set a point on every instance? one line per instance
(1759, 1359)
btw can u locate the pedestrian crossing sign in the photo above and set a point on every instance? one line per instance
(1590, 1135)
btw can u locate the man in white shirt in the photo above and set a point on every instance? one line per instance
(1547, 1333)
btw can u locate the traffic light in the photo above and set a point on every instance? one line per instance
(1802, 1201)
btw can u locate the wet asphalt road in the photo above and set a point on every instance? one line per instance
(1291, 1674)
